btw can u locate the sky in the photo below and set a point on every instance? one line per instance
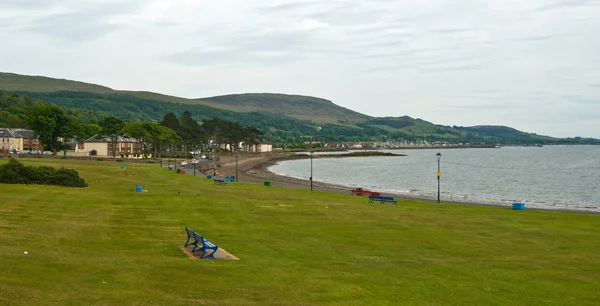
(533, 65)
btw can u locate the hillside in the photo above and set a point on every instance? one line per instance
(283, 118)
(300, 107)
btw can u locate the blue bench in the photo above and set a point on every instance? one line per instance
(200, 244)
(382, 200)
(230, 178)
(220, 182)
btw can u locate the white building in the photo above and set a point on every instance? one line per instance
(102, 147)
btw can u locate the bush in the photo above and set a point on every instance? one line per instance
(119, 160)
(100, 159)
(14, 172)
(150, 162)
(64, 157)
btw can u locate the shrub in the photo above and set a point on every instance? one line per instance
(64, 157)
(100, 159)
(119, 160)
(14, 172)
(150, 162)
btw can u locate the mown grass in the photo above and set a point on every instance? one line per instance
(106, 245)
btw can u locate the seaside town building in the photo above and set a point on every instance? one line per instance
(19, 140)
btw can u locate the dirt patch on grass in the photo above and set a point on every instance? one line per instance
(220, 254)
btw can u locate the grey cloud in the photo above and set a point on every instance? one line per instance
(541, 37)
(594, 85)
(251, 48)
(452, 31)
(455, 68)
(489, 91)
(278, 8)
(74, 26)
(389, 68)
(349, 15)
(582, 100)
(568, 3)
(27, 4)
(85, 23)
(485, 106)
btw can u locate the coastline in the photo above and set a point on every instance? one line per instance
(254, 169)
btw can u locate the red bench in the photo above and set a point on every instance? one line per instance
(362, 192)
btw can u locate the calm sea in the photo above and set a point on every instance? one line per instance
(542, 177)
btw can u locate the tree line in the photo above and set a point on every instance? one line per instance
(280, 130)
(55, 126)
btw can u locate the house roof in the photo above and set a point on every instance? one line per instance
(7, 133)
(25, 133)
(97, 138)
(17, 133)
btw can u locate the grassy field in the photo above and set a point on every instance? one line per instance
(106, 245)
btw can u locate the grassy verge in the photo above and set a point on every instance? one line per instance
(107, 245)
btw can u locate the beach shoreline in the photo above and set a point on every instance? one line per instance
(254, 169)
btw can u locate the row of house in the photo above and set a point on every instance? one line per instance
(19, 140)
(103, 146)
(25, 140)
(348, 145)
(126, 146)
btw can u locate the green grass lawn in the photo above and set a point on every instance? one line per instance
(107, 245)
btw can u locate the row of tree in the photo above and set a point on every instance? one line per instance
(55, 126)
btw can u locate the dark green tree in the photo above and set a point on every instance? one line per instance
(113, 128)
(170, 121)
(138, 131)
(50, 123)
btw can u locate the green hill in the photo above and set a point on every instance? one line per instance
(283, 118)
(301, 107)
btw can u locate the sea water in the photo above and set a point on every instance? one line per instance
(560, 177)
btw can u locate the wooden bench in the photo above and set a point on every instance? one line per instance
(200, 244)
(220, 182)
(382, 200)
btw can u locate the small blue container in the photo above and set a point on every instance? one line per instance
(518, 206)
(209, 177)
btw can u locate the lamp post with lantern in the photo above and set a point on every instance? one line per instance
(439, 174)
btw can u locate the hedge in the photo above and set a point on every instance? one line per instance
(15, 172)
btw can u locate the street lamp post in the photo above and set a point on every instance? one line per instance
(311, 164)
(439, 174)
(236, 164)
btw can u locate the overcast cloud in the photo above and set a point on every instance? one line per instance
(533, 65)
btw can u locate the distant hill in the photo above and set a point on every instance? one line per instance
(301, 107)
(283, 118)
(318, 110)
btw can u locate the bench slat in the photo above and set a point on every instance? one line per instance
(201, 244)
(382, 199)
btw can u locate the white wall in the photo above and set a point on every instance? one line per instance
(265, 148)
(100, 147)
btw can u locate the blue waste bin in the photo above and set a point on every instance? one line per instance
(518, 206)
